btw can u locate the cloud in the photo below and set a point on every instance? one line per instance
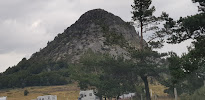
(17, 36)
(175, 8)
(180, 49)
(9, 59)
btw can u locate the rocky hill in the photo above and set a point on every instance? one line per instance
(96, 29)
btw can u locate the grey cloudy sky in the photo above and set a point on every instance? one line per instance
(27, 25)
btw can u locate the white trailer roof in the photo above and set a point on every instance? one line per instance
(3, 98)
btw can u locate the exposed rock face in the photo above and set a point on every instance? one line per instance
(97, 30)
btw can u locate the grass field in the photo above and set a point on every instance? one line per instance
(65, 92)
(159, 91)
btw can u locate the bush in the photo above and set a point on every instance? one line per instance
(198, 95)
(185, 97)
(26, 92)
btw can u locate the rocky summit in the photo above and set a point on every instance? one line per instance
(97, 30)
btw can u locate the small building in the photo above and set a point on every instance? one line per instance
(88, 95)
(3, 98)
(47, 97)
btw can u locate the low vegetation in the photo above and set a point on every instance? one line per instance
(27, 73)
(64, 92)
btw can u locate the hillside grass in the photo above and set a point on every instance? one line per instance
(65, 92)
(158, 90)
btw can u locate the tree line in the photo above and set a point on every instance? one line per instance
(41, 73)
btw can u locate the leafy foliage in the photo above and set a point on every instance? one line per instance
(143, 15)
(190, 27)
(187, 72)
(104, 73)
(41, 73)
(142, 11)
(147, 63)
(201, 3)
(113, 76)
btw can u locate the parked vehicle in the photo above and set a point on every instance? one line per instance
(3, 98)
(127, 96)
(88, 95)
(47, 97)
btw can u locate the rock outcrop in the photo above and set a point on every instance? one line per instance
(97, 30)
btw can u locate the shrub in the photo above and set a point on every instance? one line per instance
(199, 94)
(26, 92)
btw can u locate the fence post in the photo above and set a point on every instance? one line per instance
(175, 93)
(155, 97)
(204, 82)
(141, 97)
(131, 96)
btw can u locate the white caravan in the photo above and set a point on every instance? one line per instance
(3, 98)
(88, 95)
(47, 97)
(127, 96)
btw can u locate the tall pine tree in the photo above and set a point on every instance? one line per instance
(143, 15)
